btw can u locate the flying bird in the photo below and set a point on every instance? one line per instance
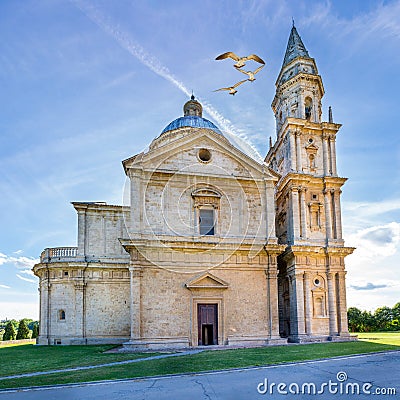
(241, 61)
(232, 89)
(251, 74)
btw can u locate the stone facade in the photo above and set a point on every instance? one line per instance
(215, 248)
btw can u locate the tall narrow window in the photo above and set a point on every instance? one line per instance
(61, 315)
(206, 221)
(308, 107)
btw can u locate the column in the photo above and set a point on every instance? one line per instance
(328, 219)
(325, 154)
(292, 145)
(272, 293)
(295, 213)
(135, 290)
(308, 303)
(297, 326)
(303, 212)
(298, 152)
(332, 304)
(338, 216)
(332, 141)
(342, 306)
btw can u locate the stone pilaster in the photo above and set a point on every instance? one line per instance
(81, 232)
(307, 303)
(325, 155)
(303, 213)
(272, 295)
(293, 151)
(136, 200)
(270, 209)
(135, 275)
(338, 217)
(328, 214)
(342, 304)
(295, 223)
(298, 152)
(80, 310)
(297, 326)
(333, 154)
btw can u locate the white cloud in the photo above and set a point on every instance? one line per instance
(5, 286)
(376, 241)
(27, 272)
(26, 279)
(19, 262)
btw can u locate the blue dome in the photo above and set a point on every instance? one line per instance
(191, 121)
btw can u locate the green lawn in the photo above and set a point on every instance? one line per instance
(56, 357)
(30, 358)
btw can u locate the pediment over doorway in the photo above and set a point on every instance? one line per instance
(206, 281)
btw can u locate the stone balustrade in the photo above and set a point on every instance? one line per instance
(58, 253)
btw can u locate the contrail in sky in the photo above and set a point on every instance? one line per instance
(155, 65)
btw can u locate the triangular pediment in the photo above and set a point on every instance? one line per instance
(154, 159)
(206, 281)
(312, 148)
(318, 290)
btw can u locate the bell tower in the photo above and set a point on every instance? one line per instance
(312, 296)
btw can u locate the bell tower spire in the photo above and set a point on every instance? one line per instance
(308, 216)
(299, 88)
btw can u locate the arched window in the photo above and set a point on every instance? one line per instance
(61, 315)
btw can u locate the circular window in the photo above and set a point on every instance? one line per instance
(310, 140)
(204, 155)
(316, 282)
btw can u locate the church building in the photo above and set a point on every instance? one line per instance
(215, 247)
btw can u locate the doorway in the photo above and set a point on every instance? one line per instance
(207, 318)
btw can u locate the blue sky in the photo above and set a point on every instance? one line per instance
(85, 85)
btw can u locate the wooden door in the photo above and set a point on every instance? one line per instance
(207, 315)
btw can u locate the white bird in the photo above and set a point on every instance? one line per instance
(241, 61)
(251, 74)
(232, 89)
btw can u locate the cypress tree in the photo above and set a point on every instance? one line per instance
(23, 330)
(9, 332)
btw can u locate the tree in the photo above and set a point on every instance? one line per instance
(23, 330)
(396, 311)
(354, 318)
(9, 332)
(35, 331)
(383, 317)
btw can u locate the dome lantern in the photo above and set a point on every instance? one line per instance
(192, 107)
